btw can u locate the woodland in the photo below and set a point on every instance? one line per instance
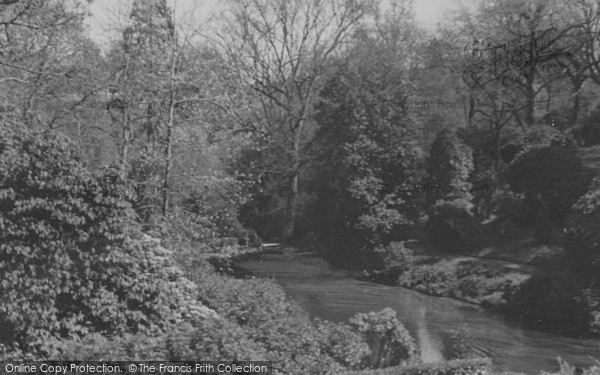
(339, 126)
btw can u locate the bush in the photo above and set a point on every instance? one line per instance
(96, 347)
(456, 367)
(451, 227)
(557, 301)
(72, 236)
(566, 296)
(511, 206)
(389, 341)
(552, 177)
(588, 134)
(461, 346)
(214, 338)
(583, 229)
(291, 339)
(567, 369)
(345, 345)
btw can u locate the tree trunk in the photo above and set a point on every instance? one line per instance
(530, 91)
(496, 146)
(170, 123)
(529, 114)
(471, 112)
(167, 172)
(124, 145)
(292, 202)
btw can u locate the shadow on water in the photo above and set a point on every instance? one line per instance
(330, 293)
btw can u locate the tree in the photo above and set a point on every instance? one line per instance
(523, 66)
(449, 165)
(137, 62)
(170, 100)
(551, 176)
(283, 49)
(451, 224)
(46, 63)
(588, 27)
(367, 151)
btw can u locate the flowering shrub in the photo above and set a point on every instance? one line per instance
(390, 342)
(72, 259)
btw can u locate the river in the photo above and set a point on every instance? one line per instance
(330, 293)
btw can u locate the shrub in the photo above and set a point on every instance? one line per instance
(583, 228)
(96, 347)
(480, 366)
(389, 341)
(567, 369)
(343, 344)
(566, 297)
(72, 237)
(462, 346)
(452, 227)
(551, 176)
(214, 338)
(510, 206)
(588, 134)
(268, 318)
(555, 300)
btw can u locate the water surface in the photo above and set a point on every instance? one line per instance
(330, 293)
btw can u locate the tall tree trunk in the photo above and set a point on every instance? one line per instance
(124, 145)
(530, 110)
(292, 202)
(470, 111)
(167, 171)
(169, 146)
(496, 146)
(529, 89)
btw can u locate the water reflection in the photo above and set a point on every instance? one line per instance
(329, 293)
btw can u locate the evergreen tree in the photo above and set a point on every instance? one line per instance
(449, 166)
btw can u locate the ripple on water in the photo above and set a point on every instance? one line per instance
(324, 292)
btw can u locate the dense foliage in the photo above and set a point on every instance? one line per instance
(566, 297)
(366, 182)
(73, 261)
(451, 225)
(90, 271)
(254, 321)
(456, 367)
(551, 177)
(390, 343)
(449, 167)
(343, 126)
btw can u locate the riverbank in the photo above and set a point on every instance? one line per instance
(328, 292)
(481, 278)
(223, 261)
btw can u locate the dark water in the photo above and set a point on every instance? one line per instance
(329, 293)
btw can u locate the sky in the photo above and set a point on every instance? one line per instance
(428, 12)
(105, 12)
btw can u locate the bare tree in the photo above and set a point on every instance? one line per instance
(283, 48)
(43, 56)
